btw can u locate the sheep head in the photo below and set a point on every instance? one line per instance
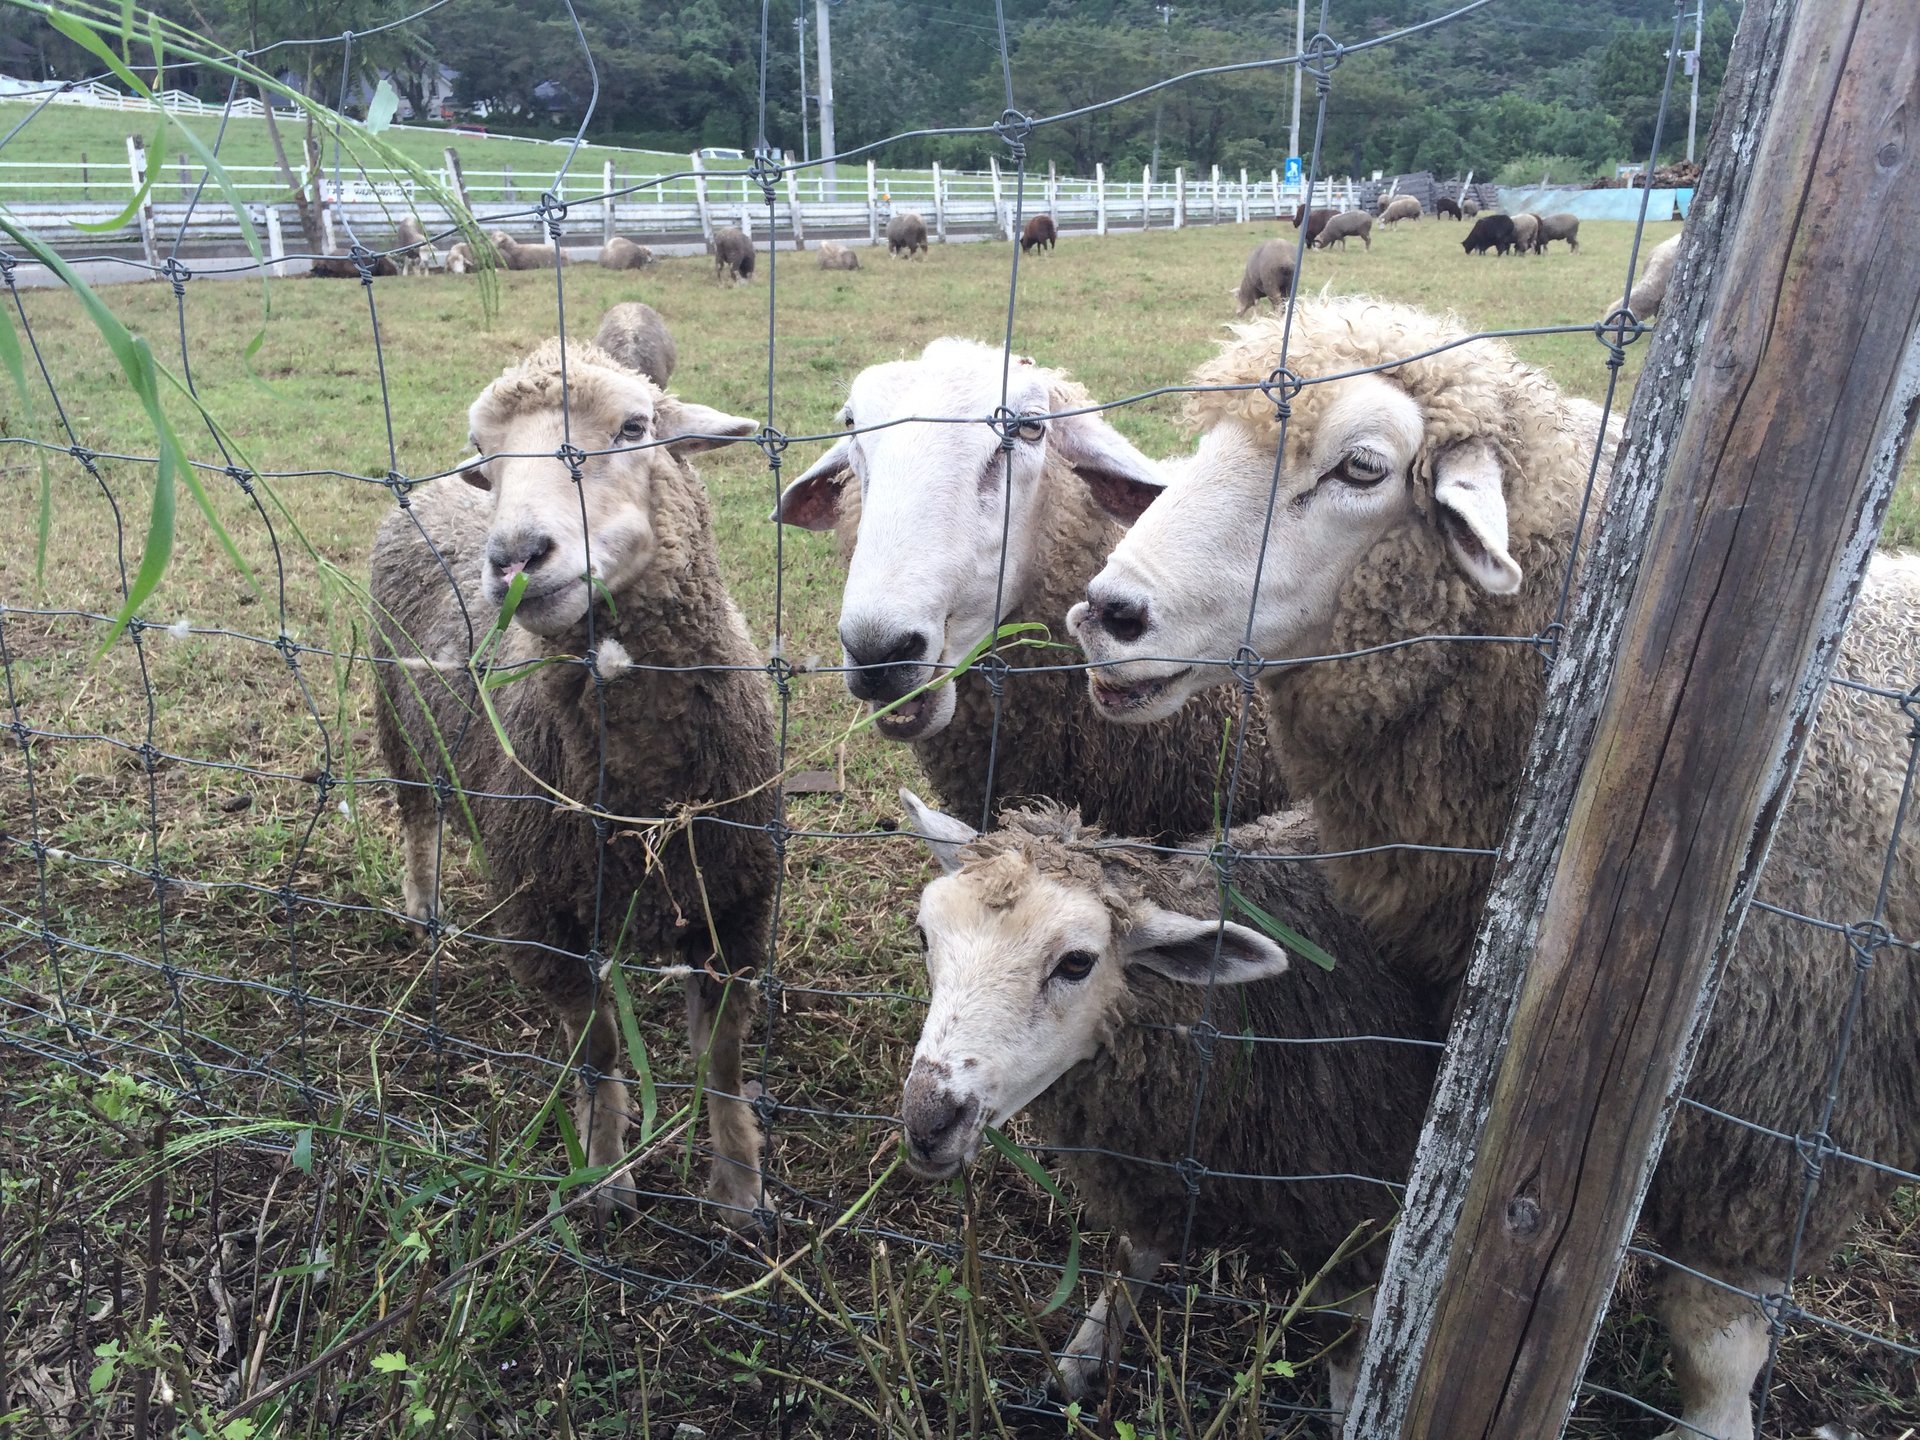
(935, 495)
(1030, 938)
(572, 535)
(1424, 450)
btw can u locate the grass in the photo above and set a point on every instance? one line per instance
(349, 1120)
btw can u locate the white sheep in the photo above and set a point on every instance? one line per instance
(414, 252)
(1439, 497)
(516, 256)
(920, 505)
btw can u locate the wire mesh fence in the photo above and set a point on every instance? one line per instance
(348, 1181)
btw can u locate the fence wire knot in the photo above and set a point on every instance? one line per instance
(363, 261)
(400, 485)
(778, 829)
(1778, 1308)
(1865, 939)
(179, 274)
(1815, 1150)
(551, 210)
(573, 457)
(1280, 387)
(1205, 1035)
(993, 667)
(7, 264)
(1223, 855)
(242, 477)
(1006, 424)
(1321, 58)
(1191, 1173)
(764, 172)
(773, 444)
(1247, 665)
(1016, 128)
(1619, 330)
(86, 458)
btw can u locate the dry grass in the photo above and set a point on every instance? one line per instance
(208, 990)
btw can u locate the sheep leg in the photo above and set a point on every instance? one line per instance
(601, 1114)
(420, 846)
(1343, 1365)
(716, 1027)
(1096, 1344)
(1719, 1344)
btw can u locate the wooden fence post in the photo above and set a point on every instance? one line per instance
(795, 220)
(700, 200)
(746, 211)
(1053, 192)
(873, 208)
(1243, 195)
(1273, 178)
(607, 230)
(276, 243)
(1755, 479)
(186, 182)
(1099, 198)
(999, 212)
(457, 178)
(939, 204)
(137, 164)
(1146, 197)
(1179, 197)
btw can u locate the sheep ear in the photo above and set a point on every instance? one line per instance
(813, 501)
(1182, 948)
(1123, 481)
(1473, 515)
(944, 834)
(689, 429)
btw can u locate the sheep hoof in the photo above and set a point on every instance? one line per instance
(1081, 1378)
(734, 1196)
(619, 1199)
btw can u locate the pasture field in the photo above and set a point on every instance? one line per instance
(351, 1127)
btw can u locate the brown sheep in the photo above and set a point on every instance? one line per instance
(1559, 226)
(733, 255)
(1038, 231)
(1268, 276)
(906, 235)
(1350, 224)
(636, 336)
(620, 253)
(1403, 208)
(838, 257)
(1445, 209)
(343, 267)
(1315, 220)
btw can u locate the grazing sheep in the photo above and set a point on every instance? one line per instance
(1343, 227)
(1651, 289)
(636, 336)
(1559, 226)
(1268, 276)
(516, 256)
(733, 255)
(1469, 207)
(635, 743)
(1526, 228)
(920, 508)
(1037, 232)
(1445, 209)
(906, 235)
(344, 267)
(1315, 220)
(1490, 231)
(620, 253)
(1458, 480)
(1066, 973)
(460, 259)
(1404, 208)
(414, 254)
(838, 257)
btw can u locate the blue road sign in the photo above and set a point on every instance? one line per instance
(1293, 170)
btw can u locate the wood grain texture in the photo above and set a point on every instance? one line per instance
(1759, 464)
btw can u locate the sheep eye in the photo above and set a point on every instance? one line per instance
(1362, 468)
(921, 932)
(1075, 965)
(1033, 431)
(635, 428)
(848, 418)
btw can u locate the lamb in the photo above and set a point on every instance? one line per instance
(1469, 207)
(1487, 464)
(516, 256)
(620, 253)
(1526, 228)
(906, 235)
(1268, 276)
(838, 257)
(460, 259)
(345, 267)
(733, 255)
(1446, 209)
(1490, 231)
(411, 248)
(587, 723)
(923, 550)
(1349, 225)
(1037, 232)
(1315, 220)
(1558, 226)
(1404, 208)
(1647, 294)
(1066, 973)
(636, 336)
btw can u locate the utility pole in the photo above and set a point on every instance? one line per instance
(1693, 69)
(806, 141)
(1160, 97)
(827, 147)
(1299, 45)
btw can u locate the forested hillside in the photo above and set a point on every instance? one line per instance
(1520, 84)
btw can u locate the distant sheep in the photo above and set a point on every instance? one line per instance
(1526, 228)
(1650, 291)
(906, 235)
(1490, 232)
(414, 254)
(343, 267)
(1469, 207)
(1038, 232)
(1404, 208)
(596, 728)
(1315, 220)
(516, 256)
(838, 257)
(460, 259)
(733, 255)
(1268, 276)
(1349, 225)
(620, 253)
(1559, 226)
(636, 336)
(1445, 209)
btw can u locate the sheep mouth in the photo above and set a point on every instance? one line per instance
(908, 720)
(1116, 698)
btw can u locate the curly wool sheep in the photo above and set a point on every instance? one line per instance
(733, 255)
(634, 334)
(587, 722)
(907, 236)
(460, 259)
(1352, 224)
(1459, 478)
(1039, 232)
(1403, 208)
(920, 510)
(1067, 972)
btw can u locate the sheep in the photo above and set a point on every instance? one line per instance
(906, 235)
(600, 730)
(1488, 467)
(1526, 228)
(838, 257)
(1469, 207)
(460, 259)
(733, 255)
(1037, 232)
(920, 510)
(1647, 294)
(345, 267)
(1404, 208)
(620, 253)
(1490, 231)
(1559, 226)
(516, 256)
(1351, 224)
(1315, 220)
(1268, 276)
(636, 336)
(1067, 972)
(412, 250)
(1446, 209)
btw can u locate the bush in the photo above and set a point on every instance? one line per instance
(1560, 169)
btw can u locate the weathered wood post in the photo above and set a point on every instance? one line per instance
(999, 209)
(1053, 192)
(1213, 197)
(873, 208)
(700, 200)
(1761, 459)
(457, 178)
(1179, 197)
(607, 229)
(137, 164)
(1273, 178)
(1146, 197)
(746, 210)
(276, 243)
(1243, 195)
(86, 178)
(1099, 198)
(794, 217)
(939, 204)
(186, 180)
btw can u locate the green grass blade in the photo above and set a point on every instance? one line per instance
(636, 1048)
(1284, 934)
(1032, 1169)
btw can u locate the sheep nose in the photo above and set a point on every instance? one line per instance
(880, 662)
(1122, 617)
(932, 1114)
(524, 550)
